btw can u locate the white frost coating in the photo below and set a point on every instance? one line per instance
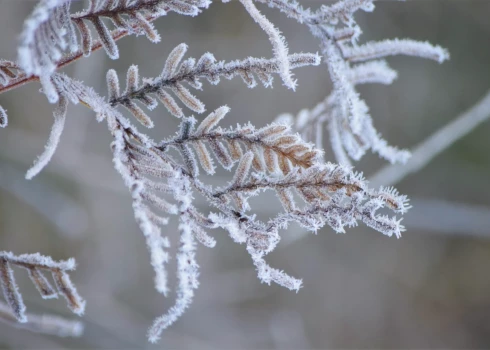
(335, 27)
(11, 291)
(38, 53)
(59, 115)
(203, 238)
(187, 272)
(340, 156)
(243, 169)
(34, 263)
(155, 242)
(177, 74)
(231, 225)
(355, 110)
(42, 261)
(212, 120)
(284, 164)
(69, 292)
(277, 40)
(4, 121)
(372, 72)
(344, 9)
(187, 267)
(42, 284)
(267, 274)
(394, 47)
(173, 61)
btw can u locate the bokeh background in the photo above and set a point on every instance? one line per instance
(430, 289)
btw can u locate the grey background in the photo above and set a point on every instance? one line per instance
(430, 289)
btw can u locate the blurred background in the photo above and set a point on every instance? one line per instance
(430, 289)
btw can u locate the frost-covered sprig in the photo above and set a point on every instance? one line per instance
(275, 149)
(353, 125)
(281, 161)
(278, 43)
(148, 172)
(133, 162)
(187, 267)
(162, 186)
(350, 125)
(75, 92)
(309, 123)
(176, 73)
(49, 36)
(9, 71)
(133, 16)
(36, 265)
(47, 33)
(333, 195)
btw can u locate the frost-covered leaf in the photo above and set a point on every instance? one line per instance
(36, 265)
(59, 115)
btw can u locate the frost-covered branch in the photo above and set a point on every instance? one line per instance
(49, 31)
(278, 43)
(176, 73)
(268, 158)
(333, 195)
(310, 123)
(134, 16)
(350, 125)
(275, 148)
(36, 265)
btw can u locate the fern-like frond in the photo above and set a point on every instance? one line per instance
(275, 149)
(134, 162)
(269, 158)
(350, 125)
(176, 73)
(133, 16)
(320, 185)
(309, 123)
(75, 92)
(49, 33)
(333, 195)
(36, 265)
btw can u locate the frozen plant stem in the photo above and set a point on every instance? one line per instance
(277, 41)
